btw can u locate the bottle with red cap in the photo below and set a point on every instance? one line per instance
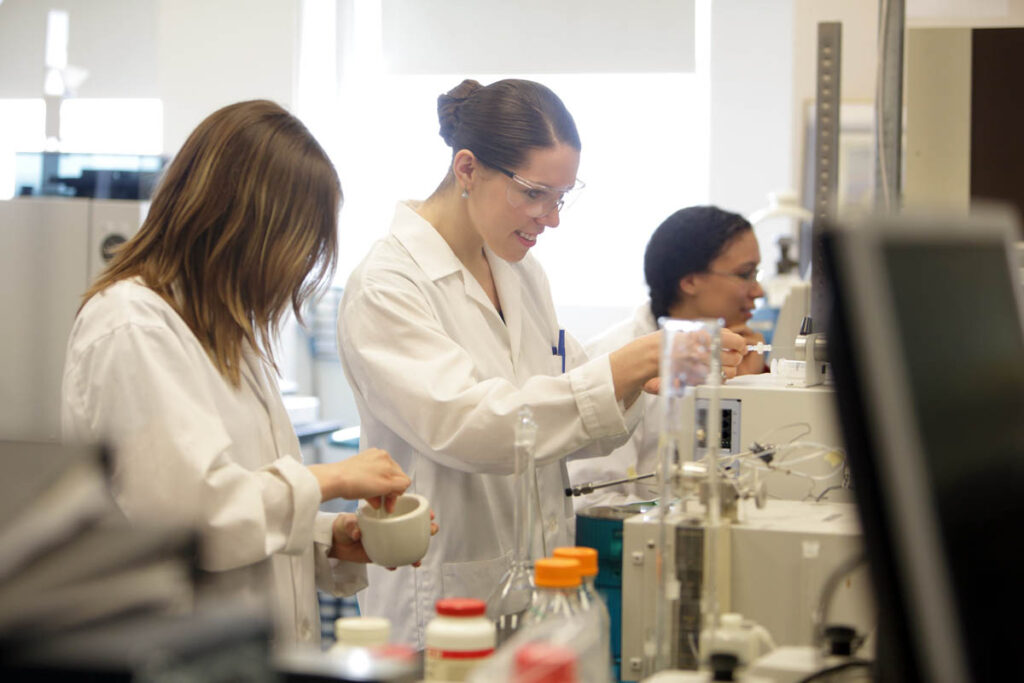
(457, 639)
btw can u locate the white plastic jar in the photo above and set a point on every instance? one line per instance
(360, 632)
(457, 639)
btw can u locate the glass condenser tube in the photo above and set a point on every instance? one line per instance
(511, 597)
(691, 352)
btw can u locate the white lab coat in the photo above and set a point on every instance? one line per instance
(191, 448)
(438, 379)
(640, 453)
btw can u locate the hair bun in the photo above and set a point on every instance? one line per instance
(448, 106)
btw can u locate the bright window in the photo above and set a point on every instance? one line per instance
(640, 164)
(103, 126)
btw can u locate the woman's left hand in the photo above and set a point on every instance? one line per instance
(346, 544)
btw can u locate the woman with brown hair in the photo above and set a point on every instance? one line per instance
(447, 329)
(170, 361)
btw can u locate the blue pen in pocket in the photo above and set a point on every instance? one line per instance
(560, 349)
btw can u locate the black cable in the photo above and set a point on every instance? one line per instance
(849, 664)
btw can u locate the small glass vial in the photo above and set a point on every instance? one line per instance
(457, 639)
(352, 632)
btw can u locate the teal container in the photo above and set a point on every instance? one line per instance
(600, 528)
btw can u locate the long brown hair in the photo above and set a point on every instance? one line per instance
(243, 225)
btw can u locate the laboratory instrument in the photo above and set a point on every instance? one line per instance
(691, 355)
(792, 429)
(51, 248)
(772, 567)
(600, 527)
(932, 424)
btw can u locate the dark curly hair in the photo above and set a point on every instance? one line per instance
(686, 242)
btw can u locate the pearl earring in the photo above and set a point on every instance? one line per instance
(465, 193)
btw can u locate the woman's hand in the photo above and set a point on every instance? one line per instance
(634, 365)
(696, 359)
(752, 362)
(372, 475)
(346, 543)
(734, 349)
(346, 539)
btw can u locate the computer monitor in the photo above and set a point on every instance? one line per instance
(927, 345)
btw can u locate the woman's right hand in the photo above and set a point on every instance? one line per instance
(371, 474)
(634, 365)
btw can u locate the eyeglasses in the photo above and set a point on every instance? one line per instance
(535, 199)
(750, 277)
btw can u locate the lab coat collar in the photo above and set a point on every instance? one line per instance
(425, 244)
(644, 319)
(432, 253)
(437, 260)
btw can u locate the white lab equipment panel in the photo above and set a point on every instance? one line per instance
(772, 566)
(50, 250)
(762, 409)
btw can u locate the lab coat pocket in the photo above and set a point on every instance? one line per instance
(473, 579)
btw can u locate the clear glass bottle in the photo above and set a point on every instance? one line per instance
(557, 581)
(511, 598)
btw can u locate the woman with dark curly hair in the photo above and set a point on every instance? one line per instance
(701, 262)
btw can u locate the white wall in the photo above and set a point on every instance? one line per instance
(751, 109)
(538, 36)
(195, 55)
(213, 53)
(114, 39)
(751, 78)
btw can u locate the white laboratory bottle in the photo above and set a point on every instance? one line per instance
(457, 639)
(557, 580)
(590, 599)
(730, 637)
(735, 635)
(352, 632)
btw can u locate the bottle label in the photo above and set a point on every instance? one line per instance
(452, 665)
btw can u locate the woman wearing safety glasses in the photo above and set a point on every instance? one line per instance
(447, 329)
(701, 262)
